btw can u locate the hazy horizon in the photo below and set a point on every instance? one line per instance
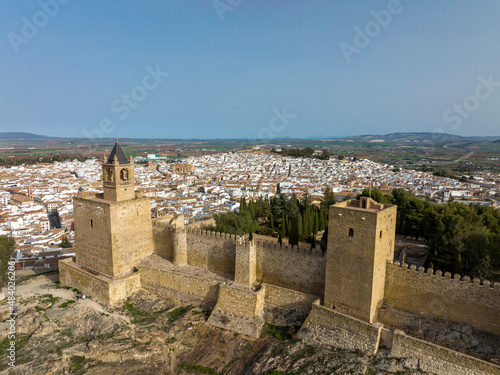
(238, 70)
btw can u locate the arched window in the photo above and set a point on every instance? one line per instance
(124, 175)
(109, 175)
(351, 232)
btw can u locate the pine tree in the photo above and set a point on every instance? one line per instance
(65, 243)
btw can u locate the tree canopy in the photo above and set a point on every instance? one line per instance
(7, 246)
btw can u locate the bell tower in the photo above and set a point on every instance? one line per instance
(113, 233)
(118, 176)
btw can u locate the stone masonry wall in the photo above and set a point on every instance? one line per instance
(163, 238)
(239, 309)
(213, 251)
(132, 235)
(297, 268)
(437, 359)
(443, 297)
(102, 288)
(93, 234)
(182, 287)
(286, 307)
(325, 326)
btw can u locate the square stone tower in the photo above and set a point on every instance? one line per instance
(113, 233)
(360, 241)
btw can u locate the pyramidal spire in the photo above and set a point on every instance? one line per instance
(120, 155)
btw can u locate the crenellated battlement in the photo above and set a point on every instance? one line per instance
(275, 246)
(209, 233)
(438, 275)
(443, 296)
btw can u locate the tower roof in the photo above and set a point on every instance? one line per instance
(120, 155)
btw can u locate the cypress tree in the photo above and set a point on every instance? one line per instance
(294, 231)
(321, 220)
(271, 222)
(325, 218)
(300, 228)
(243, 204)
(280, 239)
(250, 236)
(316, 222)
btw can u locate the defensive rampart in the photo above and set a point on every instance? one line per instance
(437, 359)
(441, 296)
(209, 250)
(184, 285)
(104, 289)
(286, 307)
(299, 268)
(325, 326)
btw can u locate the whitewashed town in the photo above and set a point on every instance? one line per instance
(36, 200)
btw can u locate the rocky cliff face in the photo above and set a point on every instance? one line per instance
(58, 335)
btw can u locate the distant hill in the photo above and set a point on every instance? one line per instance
(416, 137)
(23, 135)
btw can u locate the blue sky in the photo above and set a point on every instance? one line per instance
(235, 67)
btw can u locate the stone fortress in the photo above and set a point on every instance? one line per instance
(353, 296)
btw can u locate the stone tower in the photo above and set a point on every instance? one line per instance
(113, 233)
(360, 241)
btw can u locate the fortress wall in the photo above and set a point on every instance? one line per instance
(181, 287)
(297, 268)
(211, 250)
(132, 236)
(437, 359)
(163, 238)
(443, 297)
(92, 234)
(239, 309)
(286, 307)
(325, 326)
(103, 289)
